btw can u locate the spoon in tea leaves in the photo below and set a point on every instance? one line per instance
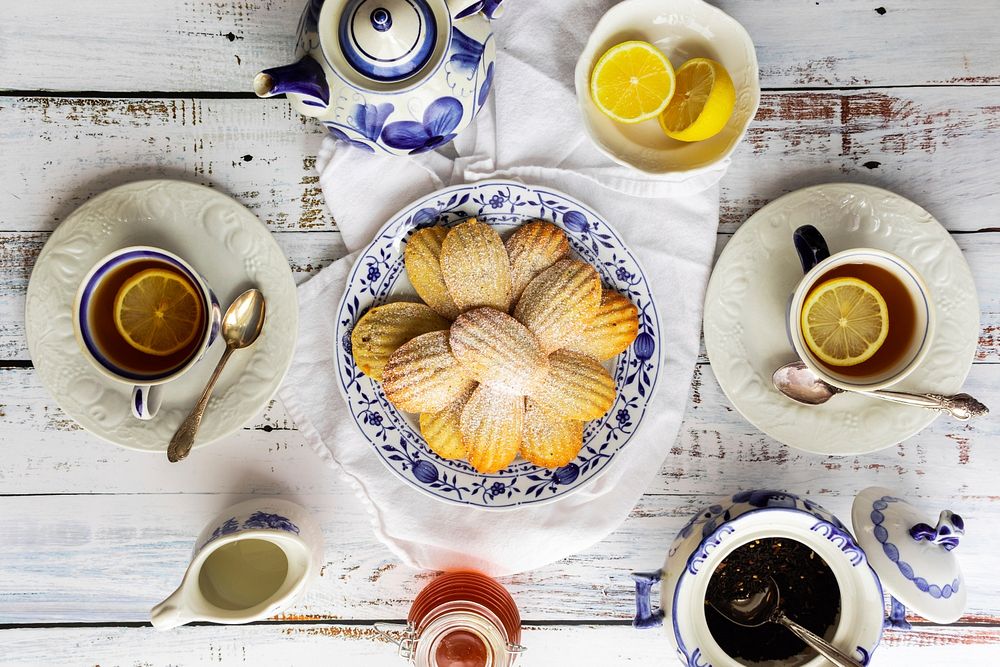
(241, 326)
(800, 384)
(764, 606)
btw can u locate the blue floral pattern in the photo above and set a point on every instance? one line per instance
(441, 118)
(365, 119)
(395, 436)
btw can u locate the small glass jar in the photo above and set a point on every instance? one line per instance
(462, 619)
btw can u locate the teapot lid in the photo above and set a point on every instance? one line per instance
(913, 559)
(387, 40)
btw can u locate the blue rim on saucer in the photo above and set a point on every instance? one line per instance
(87, 293)
(379, 276)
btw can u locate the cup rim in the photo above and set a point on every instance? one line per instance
(795, 332)
(196, 354)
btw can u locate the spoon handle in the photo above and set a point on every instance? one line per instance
(183, 440)
(959, 406)
(823, 647)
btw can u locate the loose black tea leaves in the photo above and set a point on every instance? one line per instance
(809, 595)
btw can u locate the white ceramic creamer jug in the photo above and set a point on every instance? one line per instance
(249, 563)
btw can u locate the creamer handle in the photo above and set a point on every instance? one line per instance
(645, 615)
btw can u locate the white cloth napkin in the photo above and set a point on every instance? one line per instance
(530, 132)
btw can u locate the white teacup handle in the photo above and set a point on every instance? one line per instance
(146, 401)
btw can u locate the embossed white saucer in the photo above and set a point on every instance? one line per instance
(226, 244)
(745, 331)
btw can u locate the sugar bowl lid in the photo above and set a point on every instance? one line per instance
(913, 559)
(387, 40)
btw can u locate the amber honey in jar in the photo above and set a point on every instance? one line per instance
(462, 619)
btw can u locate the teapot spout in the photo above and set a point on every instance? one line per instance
(462, 8)
(305, 78)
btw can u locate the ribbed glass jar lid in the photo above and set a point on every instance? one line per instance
(387, 40)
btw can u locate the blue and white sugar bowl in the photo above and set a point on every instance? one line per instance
(396, 76)
(893, 548)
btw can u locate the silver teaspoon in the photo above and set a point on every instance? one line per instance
(764, 606)
(241, 327)
(800, 384)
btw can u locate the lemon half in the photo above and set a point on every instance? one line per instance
(158, 312)
(702, 103)
(632, 82)
(844, 321)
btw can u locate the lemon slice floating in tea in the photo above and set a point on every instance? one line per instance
(632, 82)
(158, 312)
(702, 104)
(844, 321)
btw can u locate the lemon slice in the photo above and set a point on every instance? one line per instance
(158, 312)
(632, 82)
(702, 104)
(844, 321)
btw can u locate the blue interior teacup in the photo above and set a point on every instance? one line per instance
(102, 342)
(908, 301)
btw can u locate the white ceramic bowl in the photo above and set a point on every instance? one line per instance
(682, 29)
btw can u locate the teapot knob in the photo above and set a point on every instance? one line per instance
(491, 9)
(950, 527)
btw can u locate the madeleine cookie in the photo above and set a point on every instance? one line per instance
(443, 430)
(560, 302)
(492, 423)
(494, 348)
(549, 441)
(611, 331)
(383, 329)
(475, 266)
(577, 387)
(423, 375)
(422, 258)
(533, 248)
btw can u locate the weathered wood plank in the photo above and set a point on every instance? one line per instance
(110, 558)
(219, 46)
(60, 152)
(314, 644)
(717, 452)
(934, 145)
(149, 511)
(308, 253)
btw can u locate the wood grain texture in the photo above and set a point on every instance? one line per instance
(63, 151)
(110, 558)
(93, 533)
(308, 253)
(147, 511)
(799, 43)
(355, 645)
(938, 146)
(717, 452)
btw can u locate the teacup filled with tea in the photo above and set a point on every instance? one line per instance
(143, 316)
(860, 319)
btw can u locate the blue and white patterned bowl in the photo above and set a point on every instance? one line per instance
(379, 277)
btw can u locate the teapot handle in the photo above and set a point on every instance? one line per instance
(461, 8)
(645, 615)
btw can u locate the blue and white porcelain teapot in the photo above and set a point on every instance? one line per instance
(400, 76)
(895, 549)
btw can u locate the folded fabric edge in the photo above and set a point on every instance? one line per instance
(312, 437)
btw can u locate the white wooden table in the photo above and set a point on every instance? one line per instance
(904, 96)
